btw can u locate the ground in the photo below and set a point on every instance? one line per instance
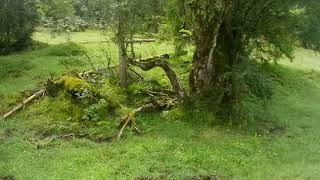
(176, 144)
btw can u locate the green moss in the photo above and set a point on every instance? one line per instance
(73, 84)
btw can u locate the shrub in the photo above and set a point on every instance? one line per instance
(17, 21)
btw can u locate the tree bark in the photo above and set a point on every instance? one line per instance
(122, 53)
(203, 60)
(208, 18)
(123, 76)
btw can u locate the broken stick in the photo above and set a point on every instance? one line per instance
(25, 102)
(129, 119)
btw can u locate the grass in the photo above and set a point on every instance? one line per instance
(176, 144)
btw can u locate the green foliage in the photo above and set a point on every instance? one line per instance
(56, 9)
(65, 49)
(309, 29)
(17, 21)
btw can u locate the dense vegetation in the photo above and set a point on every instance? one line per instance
(214, 88)
(18, 19)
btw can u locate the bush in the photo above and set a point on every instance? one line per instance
(17, 21)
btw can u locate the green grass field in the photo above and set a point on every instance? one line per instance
(176, 144)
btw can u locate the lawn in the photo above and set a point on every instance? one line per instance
(176, 144)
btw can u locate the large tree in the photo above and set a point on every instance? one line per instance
(229, 32)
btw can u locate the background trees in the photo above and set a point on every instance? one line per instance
(17, 21)
(230, 35)
(309, 29)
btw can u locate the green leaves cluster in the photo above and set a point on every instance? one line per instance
(17, 21)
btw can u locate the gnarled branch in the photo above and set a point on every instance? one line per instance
(159, 61)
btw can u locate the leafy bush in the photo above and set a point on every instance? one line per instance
(66, 49)
(17, 21)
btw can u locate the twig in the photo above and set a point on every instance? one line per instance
(89, 59)
(124, 126)
(66, 66)
(136, 73)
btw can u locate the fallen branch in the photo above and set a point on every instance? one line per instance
(136, 73)
(129, 119)
(20, 106)
(159, 61)
(133, 41)
(142, 41)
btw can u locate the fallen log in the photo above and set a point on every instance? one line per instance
(25, 102)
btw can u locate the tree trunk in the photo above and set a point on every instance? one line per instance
(123, 76)
(208, 21)
(203, 60)
(122, 52)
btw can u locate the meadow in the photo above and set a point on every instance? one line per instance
(176, 144)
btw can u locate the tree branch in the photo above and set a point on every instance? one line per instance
(147, 64)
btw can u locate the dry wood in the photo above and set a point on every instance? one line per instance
(129, 119)
(142, 41)
(25, 102)
(133, 41)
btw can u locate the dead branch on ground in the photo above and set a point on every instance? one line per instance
(25, 102)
